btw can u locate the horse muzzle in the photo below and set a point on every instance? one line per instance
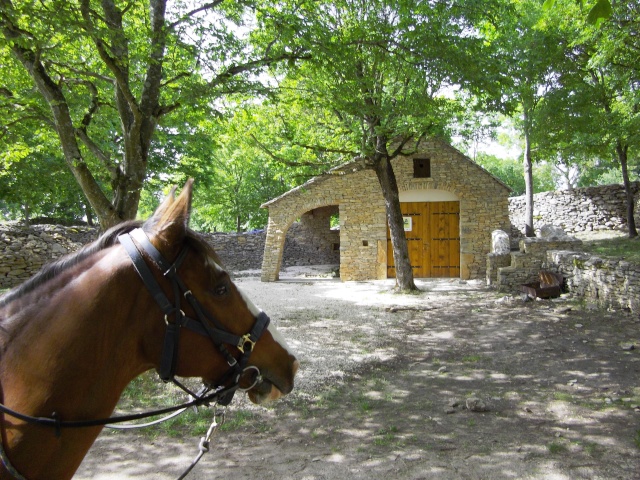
(266, 389)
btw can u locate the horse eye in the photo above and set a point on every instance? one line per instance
(220, 290)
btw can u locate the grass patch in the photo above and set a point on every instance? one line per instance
(563, 397)
(364, 405)
(636, 439)
(556, 448)
(239, 419)
(190, 423)
(472, 359)
(144, 391)
(147, 392)
(615, 248)
(385, 436)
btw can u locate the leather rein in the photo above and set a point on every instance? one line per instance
(205, 324)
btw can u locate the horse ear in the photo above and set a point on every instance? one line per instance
(170, 220)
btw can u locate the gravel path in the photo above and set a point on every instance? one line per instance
(457, 382)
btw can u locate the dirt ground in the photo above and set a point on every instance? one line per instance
(457, 382)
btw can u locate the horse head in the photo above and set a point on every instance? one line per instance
(226, 338)
(74, 335)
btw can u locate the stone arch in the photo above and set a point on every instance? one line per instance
(311, 241)
(282, 214)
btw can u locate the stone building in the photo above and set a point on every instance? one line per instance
(450, 204)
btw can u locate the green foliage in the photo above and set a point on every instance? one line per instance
(376, 71)
(104, 76)
(34, 181)
(598, 10)
(348, 74)
(620, 248)
(239, 162)
(510, 171)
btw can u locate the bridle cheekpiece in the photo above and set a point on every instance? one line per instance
(135, 243)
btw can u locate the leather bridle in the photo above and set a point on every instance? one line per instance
(205, 324)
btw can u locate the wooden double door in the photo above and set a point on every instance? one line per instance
(433, 237)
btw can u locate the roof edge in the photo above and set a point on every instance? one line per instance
(342, 169)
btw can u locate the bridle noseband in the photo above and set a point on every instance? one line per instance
(205, 324)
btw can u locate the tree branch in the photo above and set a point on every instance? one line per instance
(318, 148)
(84, 73)
(121, 79)
(96, 151)
(289, 163)
(188, 15)
(254, 65)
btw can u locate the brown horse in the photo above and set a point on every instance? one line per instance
(74, 336)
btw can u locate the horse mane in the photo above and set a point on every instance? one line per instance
(51, 270)
(106, 240)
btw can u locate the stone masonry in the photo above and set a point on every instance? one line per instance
(311, 241)
(608, 283)
(26, 249)
(526, 264)
(578, 210)
(363, 226)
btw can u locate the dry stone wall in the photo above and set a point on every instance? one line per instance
(25, 250)
(238, 251)
(311, 241)
(578, 210)
(525, 264)
(608, 283)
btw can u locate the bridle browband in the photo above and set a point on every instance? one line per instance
(205, 324)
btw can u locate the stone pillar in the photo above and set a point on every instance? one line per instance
(500, 243)
(273, 248)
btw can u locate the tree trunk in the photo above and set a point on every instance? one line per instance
(89, 214)
(138, 117)
(26, 211)
(622, 152)
(528, 179)
(387, 179)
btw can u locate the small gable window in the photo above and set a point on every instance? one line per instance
(421, 168)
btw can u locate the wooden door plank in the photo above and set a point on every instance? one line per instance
(434, 240)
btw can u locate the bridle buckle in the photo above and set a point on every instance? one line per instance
(244, 341)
